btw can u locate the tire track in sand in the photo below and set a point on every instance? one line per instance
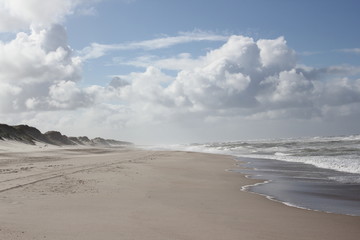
(19, 182)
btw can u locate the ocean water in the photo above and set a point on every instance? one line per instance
(319, 173)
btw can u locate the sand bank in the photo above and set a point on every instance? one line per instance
(135, 194)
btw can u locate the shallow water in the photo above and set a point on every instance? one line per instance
(304, 185)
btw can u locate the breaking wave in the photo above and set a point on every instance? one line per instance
(335, 153)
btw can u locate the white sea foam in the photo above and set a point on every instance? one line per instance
(346, 179)
(281, 154)
(342, 164)
(335, 153)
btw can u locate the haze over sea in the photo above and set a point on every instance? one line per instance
(319, 173)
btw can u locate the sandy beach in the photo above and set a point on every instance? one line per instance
(121, 193)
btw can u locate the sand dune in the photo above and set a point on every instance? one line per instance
(32, 136)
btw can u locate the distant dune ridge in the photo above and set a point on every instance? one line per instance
(31, 135)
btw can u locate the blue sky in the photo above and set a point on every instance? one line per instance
(160, 71)
(312, 21)
(317, 30)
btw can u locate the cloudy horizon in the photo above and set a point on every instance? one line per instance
(206, 83)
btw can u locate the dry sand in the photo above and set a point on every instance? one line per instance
(83, 193)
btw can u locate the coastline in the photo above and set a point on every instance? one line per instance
(301, 185)
(138, 194)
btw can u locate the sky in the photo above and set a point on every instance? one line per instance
(171, 71)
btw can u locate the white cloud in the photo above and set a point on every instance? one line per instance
(276, 55)
(351, 50)
(230, 76)
(243, 79)
(20, 15)
(143, 87)
(7, 91)
(287, 89)
(96, 50)
(183, 37)
(66, 95)
(340, 91)
(247, 78)
(31, 103)
(182, 61)
(87, 11)
(36, 65)
(17, 15)
(38, 70)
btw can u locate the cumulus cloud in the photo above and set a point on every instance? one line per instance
(143, 89)
(287, 89)
(276, 55)
(118, 82)
(35, 68)
(16, 15)
(66, 95)
(233, 76)
(244, 77)
(38, 70)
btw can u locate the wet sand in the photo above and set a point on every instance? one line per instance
(84, 193)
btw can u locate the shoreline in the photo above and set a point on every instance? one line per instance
(139, 194)
(293, 185)
(246, 189)
(270, 198)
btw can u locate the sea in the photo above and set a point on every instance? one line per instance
(315, 173)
